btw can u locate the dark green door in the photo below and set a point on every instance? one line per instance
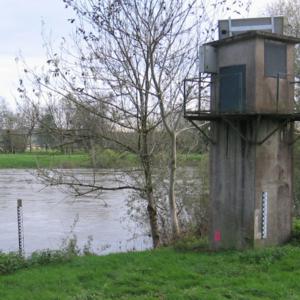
(232, 89)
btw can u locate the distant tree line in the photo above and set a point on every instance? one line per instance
(66, 128)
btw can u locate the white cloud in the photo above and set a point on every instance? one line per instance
(10, 74)
(20, 32)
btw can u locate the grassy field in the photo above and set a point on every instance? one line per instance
(43, 160)
(162, 274)
(104, 159)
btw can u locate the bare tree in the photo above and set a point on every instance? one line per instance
(27, 118)
(130, 58)
(290, 10)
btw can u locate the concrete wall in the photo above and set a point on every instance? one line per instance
(266, 87)
(232, 165)
(241, 171)
(273, 174)
(240, 53)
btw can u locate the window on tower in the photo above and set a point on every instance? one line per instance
(275, 59)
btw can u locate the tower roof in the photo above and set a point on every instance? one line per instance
(255, 34)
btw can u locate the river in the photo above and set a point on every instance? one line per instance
(51, 215)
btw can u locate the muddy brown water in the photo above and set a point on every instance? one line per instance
(51, 215)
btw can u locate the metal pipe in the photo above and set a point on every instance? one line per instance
(199, 93)
(184, 98)
(203, 132)
(277, 92)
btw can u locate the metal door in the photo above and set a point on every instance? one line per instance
(232, 89)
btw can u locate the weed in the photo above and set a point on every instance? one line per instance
(87, 248)
(72, 247)
(296, 231)
(88, 296)
(11, 262)
(191, 243)
(47, 256)
(265, 256)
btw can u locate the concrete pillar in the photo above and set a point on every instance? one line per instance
(241, 171)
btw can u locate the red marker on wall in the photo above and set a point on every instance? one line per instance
(217, 236)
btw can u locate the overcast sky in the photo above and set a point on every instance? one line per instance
(20, 32)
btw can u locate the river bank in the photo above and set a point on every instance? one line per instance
(162, 274)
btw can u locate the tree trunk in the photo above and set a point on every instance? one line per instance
(151, 207)
(173, 156)
(30, 143)
(172, 198)
(152, 212)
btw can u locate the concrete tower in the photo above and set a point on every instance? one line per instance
(251, 113)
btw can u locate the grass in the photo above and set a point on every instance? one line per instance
(43, 160)
(104, 159)
(162, 274)
(187, 270)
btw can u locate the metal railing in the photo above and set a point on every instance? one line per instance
(197, 97)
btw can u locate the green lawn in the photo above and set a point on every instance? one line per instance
(104, 159)
(43, 160)
(162, 274)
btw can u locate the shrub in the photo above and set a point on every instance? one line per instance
(11, 262)
(108, 158)
(295, 238)
(191, 243)
(47, 256)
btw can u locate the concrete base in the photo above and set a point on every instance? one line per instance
(251, 185)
